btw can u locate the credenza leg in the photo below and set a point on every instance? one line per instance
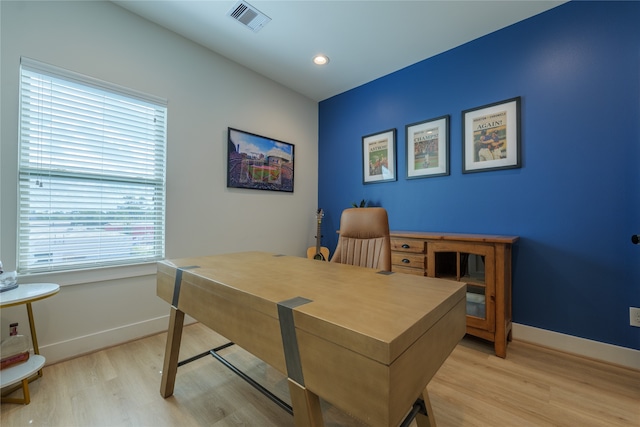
(306, 406)
(171, 352)
(427, 420)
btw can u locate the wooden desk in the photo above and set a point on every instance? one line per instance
(366, 341)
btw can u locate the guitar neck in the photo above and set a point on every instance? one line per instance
(319, 253)
(318, 236)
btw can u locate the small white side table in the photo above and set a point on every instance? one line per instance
(21, 373)
(24, 372)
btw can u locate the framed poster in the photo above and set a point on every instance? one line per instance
(428, 148)
(258, 162)
(491, 137)
(379, 157)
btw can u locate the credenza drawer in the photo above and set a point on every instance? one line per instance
(408, 245)
(408, 260)
(408, 270)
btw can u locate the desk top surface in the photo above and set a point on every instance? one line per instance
(28, 293)
(375, 313)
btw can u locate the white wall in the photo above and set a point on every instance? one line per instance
(206, 94)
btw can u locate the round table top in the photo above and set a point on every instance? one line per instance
(28, 293)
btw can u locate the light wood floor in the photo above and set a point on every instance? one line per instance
(120, 386)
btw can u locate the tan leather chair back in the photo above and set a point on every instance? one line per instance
(364, 238)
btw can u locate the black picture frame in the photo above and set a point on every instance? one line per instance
(259, 163)
(427, 145)
(491, 137)
(379, 157)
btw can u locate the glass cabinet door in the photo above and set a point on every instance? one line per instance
(474, 265)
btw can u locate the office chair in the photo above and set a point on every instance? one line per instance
(364, 238)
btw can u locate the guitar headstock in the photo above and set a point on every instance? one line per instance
(319, 214)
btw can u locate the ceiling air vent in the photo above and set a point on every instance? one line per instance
(249, 16)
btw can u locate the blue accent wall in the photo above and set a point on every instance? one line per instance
(575, 201)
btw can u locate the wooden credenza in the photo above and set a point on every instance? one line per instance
(483, 262)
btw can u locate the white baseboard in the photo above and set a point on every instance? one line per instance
(75, 347)
(622, 356)
(569, 344)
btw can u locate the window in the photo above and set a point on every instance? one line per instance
(91, 172)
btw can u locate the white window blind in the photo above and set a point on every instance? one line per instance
(91, 172)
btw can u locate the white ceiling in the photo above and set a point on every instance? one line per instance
(364, 40)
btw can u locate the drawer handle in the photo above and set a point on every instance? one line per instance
(406, 261)
(405, 246)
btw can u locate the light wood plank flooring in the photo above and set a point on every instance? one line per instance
(120, 386)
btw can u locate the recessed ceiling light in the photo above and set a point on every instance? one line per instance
(320, 59)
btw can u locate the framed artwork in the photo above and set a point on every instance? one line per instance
(491, 137)
(379, 157)
(258, 162)
(428, 148)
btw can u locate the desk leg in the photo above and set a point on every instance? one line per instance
(171, 352)
(306, 406)
(426, 420)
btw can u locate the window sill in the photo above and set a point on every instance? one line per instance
(93, 275)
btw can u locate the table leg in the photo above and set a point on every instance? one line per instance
(26, 399)
(306, 406)
(171, 352)
(34, 337)
(426, 420)
(25, 391)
